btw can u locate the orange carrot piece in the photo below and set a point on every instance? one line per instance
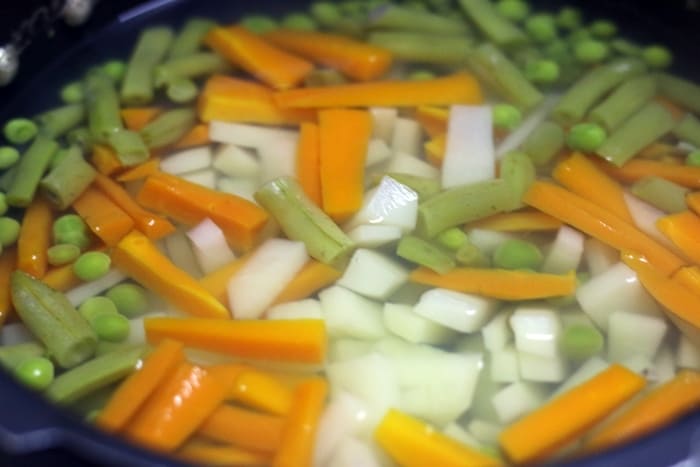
(140, 171)
(302, 340)
(136, 118)
(343, 138)
(504, 284)
(693, 201)
(581, 176)
(458, 88)
(683, 229)
(308, 163)
(539, 434)
(299, 432)
(104, 217)
(413, 443)
(262, 391)
(8, 263)
(435, 149)
(358, 60)
(657, 150)
(653, 411)
(210, 454)
(637, 169)
(172, 413)
(433, 119)
(243, 428)
(689, 277)
(313, 277)
(61, 278)
(527, 220)
(600, 223)
(216, 282)
(139, 258)
(189, 203)
(135, 390)
(35, 238)
(197, 136)
(105, 159)
(152, 225)
(268, 63)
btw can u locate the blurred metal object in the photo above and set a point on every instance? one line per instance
(76, 12)
(9, 63)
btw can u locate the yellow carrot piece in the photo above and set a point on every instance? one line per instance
(136, 118)
(8, 263)
(527, 220)
(261, 391)
(302, 341)
(268, 63)
(539, 434)
(216, 282)
(104, 217)
(136, 256)
(343, 138)
(433, 119)
(243, 428)
(308, 162)
(197, 136)
(504, 284)
(458, 88)
(435, 149)
(653, 411)
(637, 168)
(358, 60)
(689, 277)
(61, 278)
(683, 229)
(35, 238)
(210, 454)
(314, 276)
(693, 201)
(105, 159)
(141, 171)
(135, 390)
(583, 177)
(172, 413)
(413, 443)
(600, 223)
(231, 99)
(299, 431)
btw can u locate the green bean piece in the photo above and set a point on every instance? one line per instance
(693, 158)
(72, 93)
(192, 66)
(20, 130)
(94, 306)
(586, 137)
(301, 220)
(71, 228)
(662, 193)
(168, 127)
(523, 56)
(496, 28)
(514, 10)
(625, 47)
(506, 116)
(569, 18)
(395, 17)
(115, 69)
(9, 156)
(57, 122)
(424, 186)
(9, 231)
(259, 24)
(543, 143)
(102, 103)
(63, 253)
(657, 56)
(13, 355)
(30, 169)
(518, 172)
(7, 177)
(129, 146)
(80, 137)
(603, 28)
(3, 204)
(181, 90)
(541, 28)
(470, 255)
(299, 22)
(97, 400)
(62, 153)
(49, 315)
(680, 91)
(151, 47)
(688, 129)
(624, 101)
(452, 239)
(92, 265)
(417, 47)
(35, 372)
(424, 253)
(94, 374)
(581, 341)
(105, 347)
(189, 38)
(576, 102)
(131, 300)
(494, 68)
(462, 204)
(324, 77)
(67, 181)
(591, 51)
(517, 254)
(643, 128)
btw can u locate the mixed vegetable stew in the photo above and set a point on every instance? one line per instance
(454, 233)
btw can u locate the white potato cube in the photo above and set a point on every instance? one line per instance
(373, 274)
(536, 330)
(516, 400)
(456, 310)
(542, 369)
(390, 203)
(404, 322)
(309, 308)
(349, 314)
(632, 334)
(374, 235)
(187, 160)
(235, 161)
(504, 365)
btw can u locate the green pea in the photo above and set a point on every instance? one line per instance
(115, 69)
(541, 28)
(63, 253)
(657, 56)
(452, 238)
(72, 93)
(586, 137)
(9, 231)
(111, 327)
(517, 254)
(299, 22)
(419, 75)
(693, 158)
(93, 306)
(70, 228)
(131, 300)
(514, 10)
(591, 51)
(8, 157)
(3, 204)
(542, 71)
(326, 13)
(506, 116)
(182, 90)
(20, 130)
(259, 24)
(581, 341)
(35, 372)
(92, 265)
(603, 28)
(569, 18)
(557, 50)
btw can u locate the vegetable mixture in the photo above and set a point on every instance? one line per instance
(428, 233)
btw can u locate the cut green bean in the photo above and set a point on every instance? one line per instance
(189, 38)
(627, 99)
(129, 146)
(80, 137)
(388, 16)
(543, 143)
(131, 300)
(7, 177)
(94, 306)
(57, 122)
(424, 253)
(67, 181)
(72, 93)
(30, 169)
(13, 355)
(452, 239)
(181, 90)
(518, 173)
(168, 127)
(3, 204)
(151, 47)
(424, 186)
(688, 130)
(49, 315)
(9, 231)
(576, 102)
(662, 193)
(92, 265)
(462, 204)
(9, 156)
(20, 130)
(496, 28)
(641, 129)
(192, 66)
(300, 219)
(470, 255)
(683, 92)
(102, 103)
(94, 374)
(581, 341)
(63, 253)
(62, 153)
(517, 254)
(35, 372)
(299, 22)
(425, 48)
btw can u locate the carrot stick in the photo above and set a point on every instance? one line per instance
(657, 150)
(358, 60)
(299, 431)
(152, 225)
(189, 203)
(637, 169)
(458, 88)
(216, 282)
(693, 201)
(268, 63)
(133, 392)
(504, 284)
(243, 428)
(433, 119)
(235, 100)
(539, 434)
(412, 443)
(313, 277)
(35, 238)
(308, 163)
(105, 159)
(689, 277)
(171, 414)
(140, 171)
(302, 341)
(197, 136)
(62, 278)
(8, 263)
(104, 217)
(261, 391)
(435, 149)
(598, 222)
(519, 221)
(652, 412)
(205, 453)
(136, 256)
(683, 229)
(581, 176)
(136, 118)
(343, 138)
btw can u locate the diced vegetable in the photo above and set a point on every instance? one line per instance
(372, 274)
(458, 311)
